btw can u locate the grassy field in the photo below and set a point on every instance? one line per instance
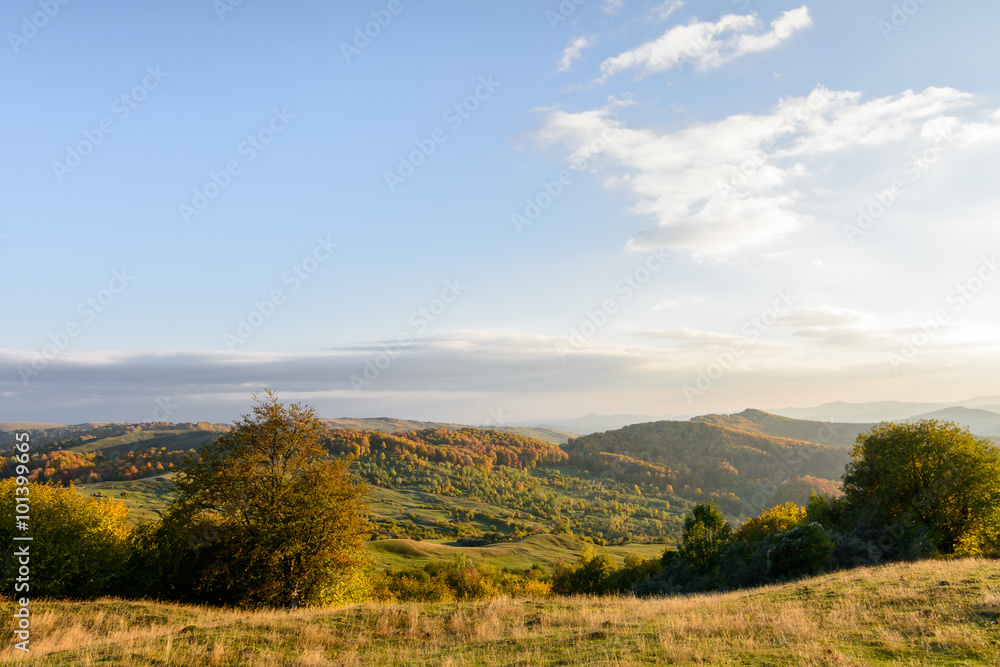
(928, 613)
(26, 426)
(173, 440)
(542, 550)
(145, 498)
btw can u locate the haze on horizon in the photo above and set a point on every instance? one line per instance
(496, 211)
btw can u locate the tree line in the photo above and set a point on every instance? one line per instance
(911, 491)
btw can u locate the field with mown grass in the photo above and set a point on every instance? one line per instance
(926, 613)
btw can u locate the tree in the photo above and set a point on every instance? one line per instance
(283, 522)
(80, 545)
(804, 550)
(771, 522)
(931, 475)
(706, 532)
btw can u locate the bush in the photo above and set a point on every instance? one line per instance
(415, 586)
(588, 576)
(744, 564)
(831, 513)
(675, 577)
(771, 522)
(80, 546)
(635, 570)
(801, 551)
(850, 551)
(459, 580)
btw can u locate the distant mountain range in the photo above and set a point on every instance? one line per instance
(979, 421)
(883, 410)
(981, 414)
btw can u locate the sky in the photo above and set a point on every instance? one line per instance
(490, 212)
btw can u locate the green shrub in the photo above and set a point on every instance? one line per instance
(588, 576)
(80, 546)
(805, 550)
(706, 533)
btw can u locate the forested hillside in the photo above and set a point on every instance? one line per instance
(486, 485)
(390, 425)
(90, 454)
(694, 459)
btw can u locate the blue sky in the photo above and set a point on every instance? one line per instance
(495, 210)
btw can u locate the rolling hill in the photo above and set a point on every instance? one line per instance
(469, 485)
(6, 427)
(390, 425)
(700, 460)
(764, 423)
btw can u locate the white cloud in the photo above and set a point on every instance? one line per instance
(613, 6)
(572, 52)
(823, 316)
(716, 189)
(662, 12)
(782, 29)
(708, 45)
(816, 351)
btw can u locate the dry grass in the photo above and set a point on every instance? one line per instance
(929, 613)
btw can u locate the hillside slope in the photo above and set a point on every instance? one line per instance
(764, 423)
(480, 486)
(924, 613)
(27, 426)
(689, 458)
(391, 425)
